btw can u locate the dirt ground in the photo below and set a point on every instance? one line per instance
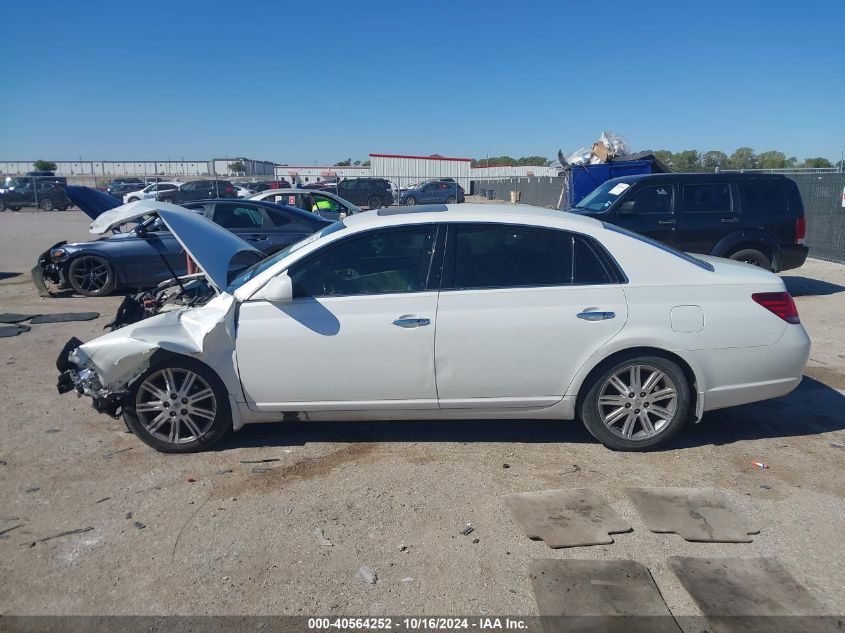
(204, 534)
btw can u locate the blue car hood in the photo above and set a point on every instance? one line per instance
(92, 201)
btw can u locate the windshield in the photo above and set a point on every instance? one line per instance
(259, 267)
(602, 196)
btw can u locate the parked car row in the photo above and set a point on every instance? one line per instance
(46, 193)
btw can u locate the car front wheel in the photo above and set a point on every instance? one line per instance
(410, 201)
(91, 275)
(374, 202)
(178, 406)
(636, 404)
(169, 200)
(45, 204)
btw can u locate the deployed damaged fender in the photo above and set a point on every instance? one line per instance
(105, 367)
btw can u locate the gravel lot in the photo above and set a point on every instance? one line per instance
(204, 534)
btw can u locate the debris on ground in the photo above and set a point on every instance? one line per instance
(760, 465)
(128, 515)
(139, 525)
(321, 537)
(7, 530)
(575, 469)
(14, 317)
(191, 480)
(61, 534)
(367, 575)
(13, 330)
(33, 489)
(403, 547)
(260, 461)
(407, 579)
(223, 471)
(101, 500)
(468, 529)
(61, 317)
(506, 465)
(260, 471)
(113, 453)
(53, 430)
(476, 541)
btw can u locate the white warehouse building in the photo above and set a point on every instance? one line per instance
(404, 170)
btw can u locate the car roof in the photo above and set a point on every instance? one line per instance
(468, 212)
(261, 203)
(719, 176)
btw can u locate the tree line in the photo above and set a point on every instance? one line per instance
(690, 160)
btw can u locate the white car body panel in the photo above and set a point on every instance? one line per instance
(511, 353)
(149, 191)
(272, 193)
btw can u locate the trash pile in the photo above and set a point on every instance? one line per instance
(609, 146)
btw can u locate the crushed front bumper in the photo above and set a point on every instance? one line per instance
(45, 269)
(85, 382)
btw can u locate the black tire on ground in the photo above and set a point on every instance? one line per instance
(208, 413)
(133, 199)
(450, 200)
(91, 275)
(14, 208)
(599, 418)
(62, 208)
(410, 201)
(374, 202)
(2, 204)
(45, 204)
(752, 256)
(170, 200)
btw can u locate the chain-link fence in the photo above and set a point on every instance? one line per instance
(824, 209)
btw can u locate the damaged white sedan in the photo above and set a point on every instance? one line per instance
(465, 311)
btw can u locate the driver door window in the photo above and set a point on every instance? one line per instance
(654, 199)
(378, 262)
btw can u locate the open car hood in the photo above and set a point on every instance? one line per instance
(92, 201)
(215, 250)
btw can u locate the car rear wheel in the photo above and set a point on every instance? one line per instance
(410, 201)
(132, 199)
(450, 200)
(62, 208)
(45, 204)
(170, 200)
(14, 208)
(636, 404)
(752, 256)
(178, 406)
(91, 276)
(374, 202)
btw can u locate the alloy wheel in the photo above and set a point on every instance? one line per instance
(176, 405)
(90, 274)
(637, 402)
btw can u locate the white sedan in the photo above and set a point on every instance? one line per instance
(466, 311)
(150, 191)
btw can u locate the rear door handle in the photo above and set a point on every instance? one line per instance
(258, 238)
(409, 322)
(595, 316)
(666, 221)
(727, 220)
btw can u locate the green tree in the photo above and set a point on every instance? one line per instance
(743, 158)
(713, 160)
(817, 162)
(664, 156)
(366, 163)
(530, 161)
(44, 165)
(344, 163)
(237, 167)
(687, 160)
(772, 160)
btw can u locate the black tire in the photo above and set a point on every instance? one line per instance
(594, 415)
(14, 208)
(450, 200)
(170, 200)
(374, 202)
(133, 199)
(410, 201)
(91, 275)
(45, 204)
(752, 256)
(2, 204)
(142, 395)
(62, 208)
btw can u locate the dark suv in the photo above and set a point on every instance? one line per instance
(34, 192)
(754, 218)
(366, 192)
(198, 190)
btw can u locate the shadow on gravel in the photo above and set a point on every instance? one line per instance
(8, 275)
(806, 287)
(811, 409)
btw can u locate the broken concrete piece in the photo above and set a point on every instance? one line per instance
(566, 517)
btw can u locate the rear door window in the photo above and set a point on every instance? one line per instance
(707, 198)
(233, 216)
(762, 197)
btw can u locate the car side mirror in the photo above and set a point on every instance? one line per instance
(629, 207)
(141, 231)
(278, 290)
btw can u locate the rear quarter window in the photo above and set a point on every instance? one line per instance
(762, 197)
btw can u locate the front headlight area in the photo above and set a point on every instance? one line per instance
(58, 254)
(76, 374)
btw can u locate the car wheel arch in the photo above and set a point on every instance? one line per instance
(596, 365)
(756, 239)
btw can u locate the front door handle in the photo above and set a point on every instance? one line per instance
(258, 238)
(595, 316)
(408, 322)
(666, 221)
(728, 220)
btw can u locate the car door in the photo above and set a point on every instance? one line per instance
(520, 310)
(142, 259)
(708, 214)
(649, 210)
(327, 207)
(248, 221)
(358, 335)
(429, 193)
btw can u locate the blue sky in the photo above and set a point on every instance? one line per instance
(304, 82)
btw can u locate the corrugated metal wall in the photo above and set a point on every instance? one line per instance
(407, 170)
(307, 174)
(488, 173)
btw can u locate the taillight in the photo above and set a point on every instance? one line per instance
(800, 229)
(779, 303)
